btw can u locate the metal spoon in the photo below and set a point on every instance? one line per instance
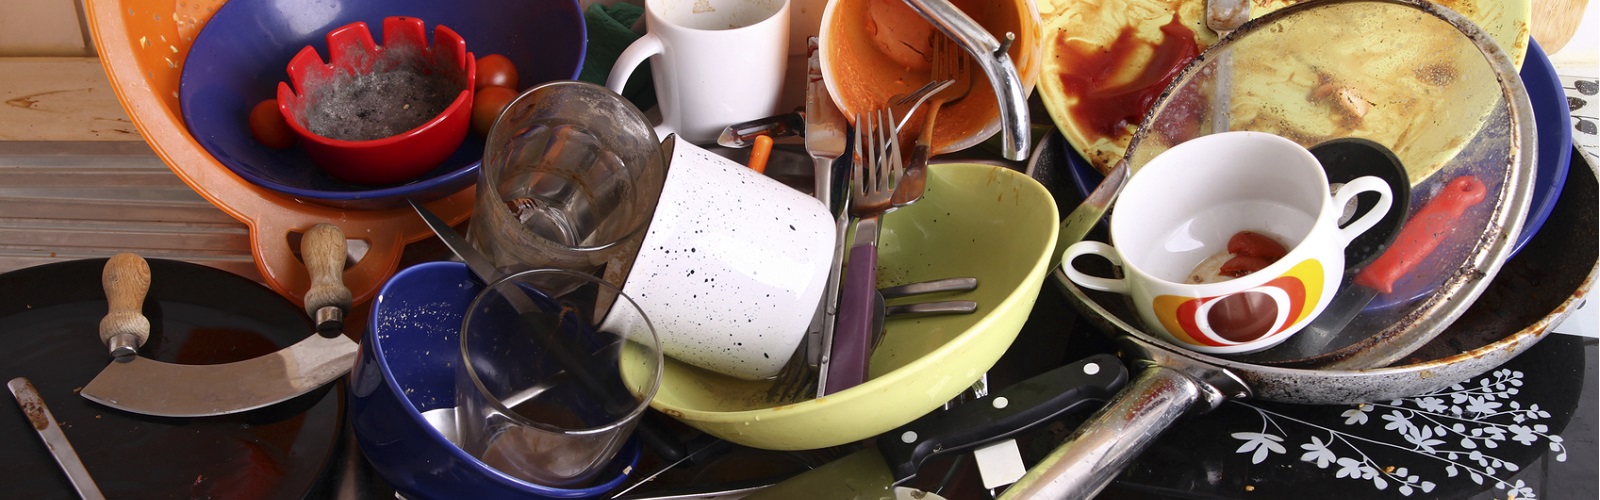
(882, 312)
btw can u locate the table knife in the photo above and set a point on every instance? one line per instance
(825, 131)
(39, 415)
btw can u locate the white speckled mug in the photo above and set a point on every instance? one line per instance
(731, 267)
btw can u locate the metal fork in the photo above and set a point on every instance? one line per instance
(877, 171)
(796, 379)
(905, 105)
(876, 167)
(950, 63)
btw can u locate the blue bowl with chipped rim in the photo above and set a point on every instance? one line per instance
(404, 381)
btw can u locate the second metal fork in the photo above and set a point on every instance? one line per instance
(877, 170)
(950, 64)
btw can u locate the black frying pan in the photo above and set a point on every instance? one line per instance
(49, 322)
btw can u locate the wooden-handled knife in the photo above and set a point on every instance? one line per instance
(142, 385)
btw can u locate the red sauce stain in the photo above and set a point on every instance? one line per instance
(1109, 108)
(251, 462)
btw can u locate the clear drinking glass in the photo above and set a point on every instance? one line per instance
(543, 393)
(571, 173)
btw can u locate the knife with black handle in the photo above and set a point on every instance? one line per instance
(873, 472)
(1002, 415)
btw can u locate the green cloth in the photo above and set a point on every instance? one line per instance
(609, 35)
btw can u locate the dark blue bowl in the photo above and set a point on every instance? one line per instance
(241, 54)
(1552, 120)
(406, 368)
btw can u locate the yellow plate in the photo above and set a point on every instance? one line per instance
(1126, 51)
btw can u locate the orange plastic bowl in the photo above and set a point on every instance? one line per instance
(145, 44)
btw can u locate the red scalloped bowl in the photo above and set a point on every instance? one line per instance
(352, 52)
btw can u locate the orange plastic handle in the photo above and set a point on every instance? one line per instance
(1421, 234)
(146, 81)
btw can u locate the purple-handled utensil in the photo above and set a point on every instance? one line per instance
(876, 171)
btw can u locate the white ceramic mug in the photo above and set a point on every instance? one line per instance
(1184, 206)
(716, 62)
(732, 265)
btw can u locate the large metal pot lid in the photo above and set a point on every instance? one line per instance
(1398, 59)
(1531, 294)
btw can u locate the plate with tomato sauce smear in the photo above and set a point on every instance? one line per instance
(1107, 62)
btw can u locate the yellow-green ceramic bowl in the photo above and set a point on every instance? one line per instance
(988, 222)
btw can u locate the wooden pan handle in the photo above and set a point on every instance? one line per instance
(126, 280)
(323, 250)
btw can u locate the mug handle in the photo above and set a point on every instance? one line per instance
(1093, 282)
(637, 52)
(1368, 220)
(647, 46)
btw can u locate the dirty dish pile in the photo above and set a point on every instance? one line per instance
(1377, 361)
(982, 221)
(403, 395)
(241, 55)
(1554, 139)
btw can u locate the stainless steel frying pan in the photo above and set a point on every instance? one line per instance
(1444, 341)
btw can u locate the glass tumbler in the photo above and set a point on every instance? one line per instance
(571, 174)
(544, 393)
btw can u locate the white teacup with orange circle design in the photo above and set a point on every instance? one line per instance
(1173, 222)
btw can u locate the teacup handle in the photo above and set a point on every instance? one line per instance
(1368, 220)
(1093, 282)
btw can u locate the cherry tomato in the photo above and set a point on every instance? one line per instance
(269, 127)
(487, 103)
(496, 70)
(1244, 264)
(1251, 244)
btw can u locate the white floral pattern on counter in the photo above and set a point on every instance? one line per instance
(1454, 433)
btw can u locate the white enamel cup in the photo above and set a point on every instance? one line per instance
(732, 265)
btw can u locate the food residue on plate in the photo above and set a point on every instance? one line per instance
(1109, 103)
